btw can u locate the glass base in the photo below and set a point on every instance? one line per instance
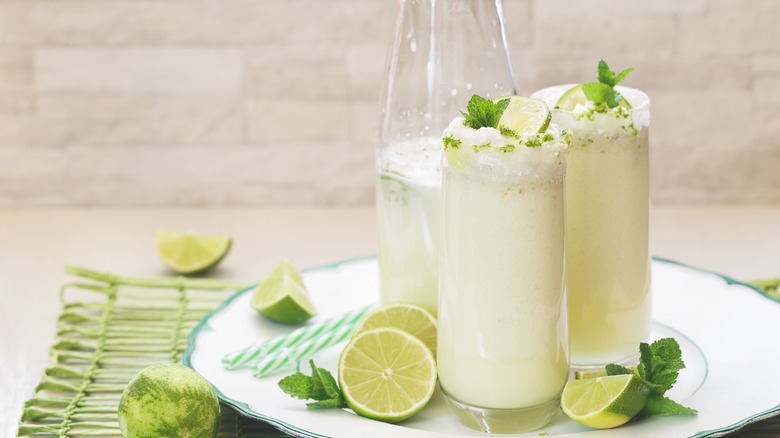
(629, 361)
(494, 420)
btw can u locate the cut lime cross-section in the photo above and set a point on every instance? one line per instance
(387, 374)
(283, 297)
(604, 402)
(525, 116)
(190, 253)
(408, 317)
(575, 96)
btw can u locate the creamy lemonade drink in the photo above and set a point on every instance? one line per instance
(502, 340)
(408, 222)
(607, 213)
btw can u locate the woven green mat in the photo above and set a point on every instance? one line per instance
(111, 327)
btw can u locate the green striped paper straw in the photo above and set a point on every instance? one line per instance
(287, 357)
(258, 350)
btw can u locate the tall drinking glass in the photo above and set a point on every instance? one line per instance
(442, 50)
(607, 227)
(502, 343)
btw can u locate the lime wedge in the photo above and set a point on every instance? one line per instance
(282, 296)
(190, 253)
(387, 374)
(525, 115)
(575, 96)
(604, 402)
(408, 317)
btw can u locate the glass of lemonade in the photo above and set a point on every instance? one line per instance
(502, 336)
(607, 223)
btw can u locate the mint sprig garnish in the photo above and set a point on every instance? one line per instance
(320, 386)
(483, 113)
(603, 93)
(659, 365)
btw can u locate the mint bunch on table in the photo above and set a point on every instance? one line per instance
(659, 365)
(603, 93)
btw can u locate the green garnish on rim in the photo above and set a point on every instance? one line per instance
(602, 93)
(484, 113)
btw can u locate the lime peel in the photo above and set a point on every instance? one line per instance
(168, 400)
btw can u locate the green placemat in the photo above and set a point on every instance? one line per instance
(111, 327)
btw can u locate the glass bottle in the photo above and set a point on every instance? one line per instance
(443, 52)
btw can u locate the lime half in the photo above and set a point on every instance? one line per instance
(575, 96)
(282, 296)
(387, 374)
(410, 318)
(604, 402)
(190, 253)
(525, 115)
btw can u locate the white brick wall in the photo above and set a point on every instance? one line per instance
(252, 102)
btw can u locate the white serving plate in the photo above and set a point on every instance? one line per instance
(729, 333)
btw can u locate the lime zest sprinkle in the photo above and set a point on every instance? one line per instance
(477, 148)
(509, 133)
(451, 142)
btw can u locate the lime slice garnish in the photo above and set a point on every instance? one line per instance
(604, 402)
(575, 96)
(189, 253)
(387, 374)
(525, 116)
(410, 318)
(283, 297)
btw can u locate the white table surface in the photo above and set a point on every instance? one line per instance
(742, 241)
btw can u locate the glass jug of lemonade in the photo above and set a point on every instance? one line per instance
(442, 50)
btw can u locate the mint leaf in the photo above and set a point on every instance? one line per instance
(660, 405)
(622, 75)
(603, 93)
(321, 387)
(483, 113)
(606, 76)
(297, 385)
(324, 383)
(327, 404)
(660, 363)
(615, 370)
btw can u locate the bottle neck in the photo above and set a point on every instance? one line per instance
(444, 51)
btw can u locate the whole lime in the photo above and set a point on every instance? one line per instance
(169, 400)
